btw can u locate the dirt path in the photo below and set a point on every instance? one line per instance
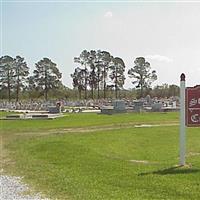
(107, 128)
(95, 128)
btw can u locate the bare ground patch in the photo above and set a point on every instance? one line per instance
(146, 162)
(191, 154)
(95, 128)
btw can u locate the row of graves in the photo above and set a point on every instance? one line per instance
(54, 109)
(32, 110)
(147, 104)
(27, 106)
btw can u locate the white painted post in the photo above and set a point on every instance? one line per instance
(182, 120)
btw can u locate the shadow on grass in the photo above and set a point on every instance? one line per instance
(172, 171)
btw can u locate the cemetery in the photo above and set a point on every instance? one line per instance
(115, 155)
(105, 107)
(112, 148)
(47, 112)
(99, 100)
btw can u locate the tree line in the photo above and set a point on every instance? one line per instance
(99, 70)
(98, 75)
(95, 68)
(14, 77)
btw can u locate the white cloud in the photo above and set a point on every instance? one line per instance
(159, 58)
(108, 14)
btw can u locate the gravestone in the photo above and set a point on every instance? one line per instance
(149, 101)
(15, 116)
(138, 106)
(156, 107)
(174, 104)
(109, 110)
(119, 106)
(55, 109)
(40, 116)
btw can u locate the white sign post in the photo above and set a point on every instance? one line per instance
(182, 120)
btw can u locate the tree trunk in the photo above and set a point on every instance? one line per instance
(8, 81)
(85, 83)
(79, 91)
(104, 83)
(116, 91)
(98, 91)
(45, 95)
(46, 89)
(115, 83)
(142, 87)
(104, 90)
(92, 91)
(17, 92)
(141, 91)
(98, 84)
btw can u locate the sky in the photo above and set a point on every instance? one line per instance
(167, 34)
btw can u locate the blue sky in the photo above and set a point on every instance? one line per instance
(166, 34)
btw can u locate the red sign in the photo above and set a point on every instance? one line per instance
(193, 106)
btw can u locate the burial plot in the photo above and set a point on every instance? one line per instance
(138, 106)
(119, 106)
(156, 107)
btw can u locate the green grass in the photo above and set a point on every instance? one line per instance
(97, 165)
(86, 120)
(4, 113)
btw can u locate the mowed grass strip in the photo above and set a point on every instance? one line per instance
(101, 165)
(86, 120)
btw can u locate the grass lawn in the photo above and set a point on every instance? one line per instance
(87, 120)
(4, 113)
(125, 163)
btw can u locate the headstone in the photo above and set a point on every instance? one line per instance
(39, 116)
(157, 107)
(15, 116)
(53, 109)
(174, 104)
(148, 100)
(138, 106)
(119, 106)
(109, 110)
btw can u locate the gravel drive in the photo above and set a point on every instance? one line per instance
(11, 188)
